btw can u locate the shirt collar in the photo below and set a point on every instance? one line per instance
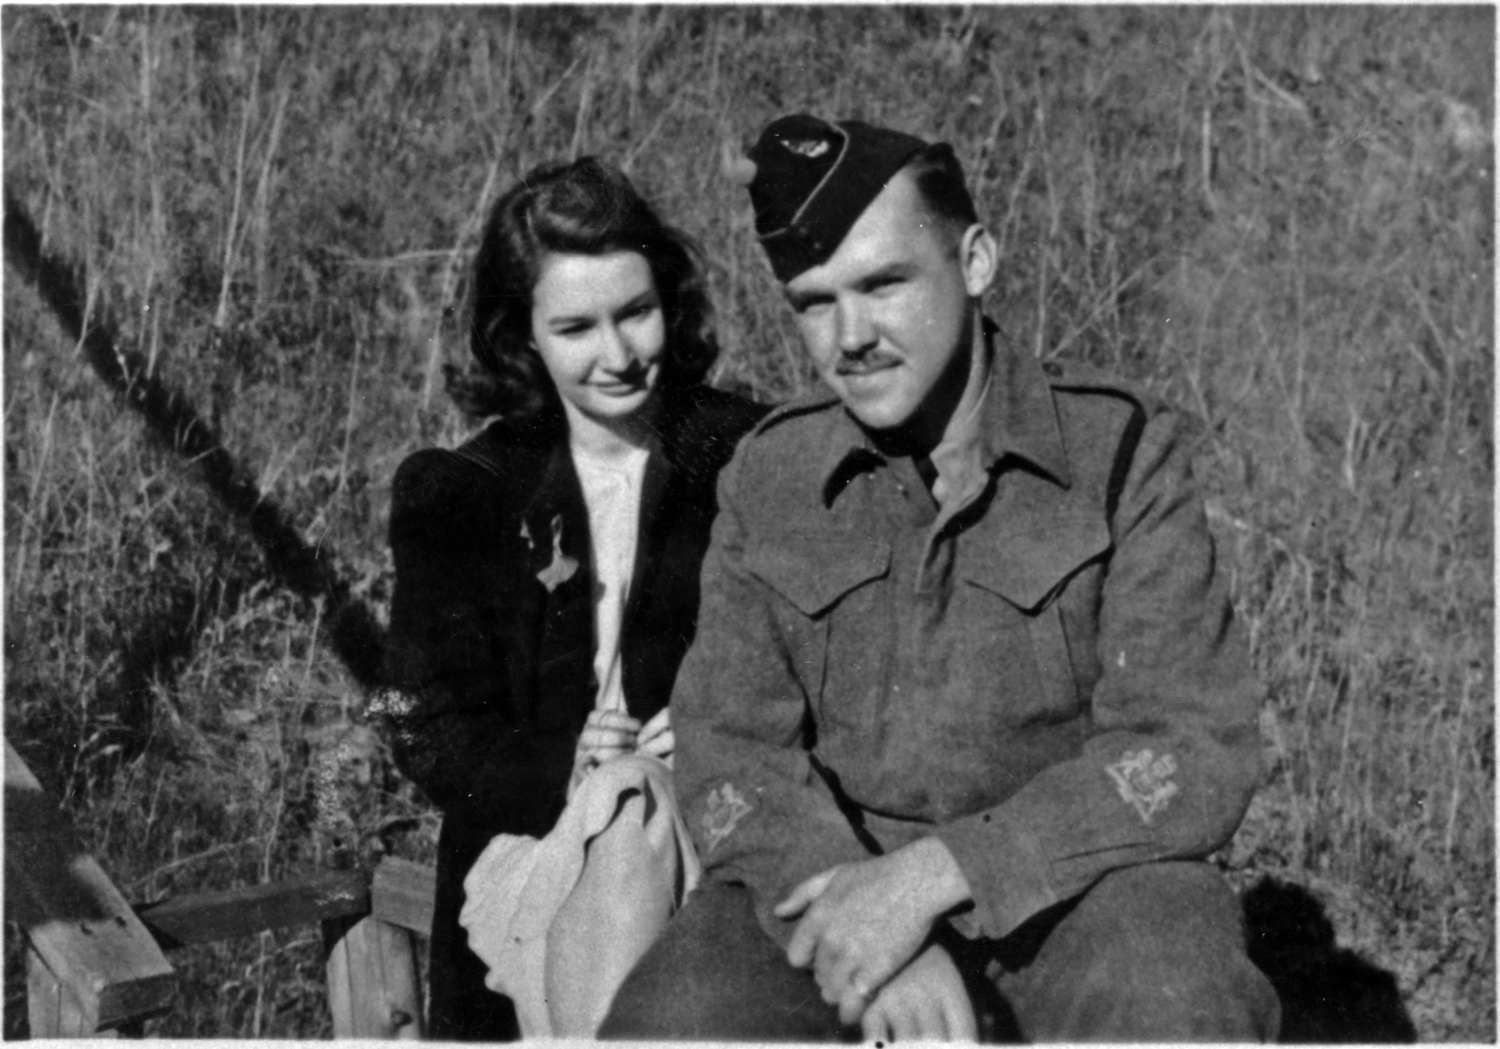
(1017, 418)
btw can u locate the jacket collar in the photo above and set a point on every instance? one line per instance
(1019, 420)
(1023, 414)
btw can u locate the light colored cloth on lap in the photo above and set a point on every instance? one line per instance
(514, 890)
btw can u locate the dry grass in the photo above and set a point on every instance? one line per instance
(1281, 218)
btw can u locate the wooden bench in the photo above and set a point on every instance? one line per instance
(95, 965)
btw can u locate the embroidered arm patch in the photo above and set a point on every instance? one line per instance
(726, 807)
(1144, 781)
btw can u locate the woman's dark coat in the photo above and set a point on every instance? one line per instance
(489, 665)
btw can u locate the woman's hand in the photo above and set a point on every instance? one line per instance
(606, 734)
(656, 739)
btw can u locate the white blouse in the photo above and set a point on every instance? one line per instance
(612, 493)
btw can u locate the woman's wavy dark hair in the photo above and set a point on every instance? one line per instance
(582, 207)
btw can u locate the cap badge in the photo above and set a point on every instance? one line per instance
(811, 148)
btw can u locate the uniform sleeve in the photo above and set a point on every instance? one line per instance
(1173, 757)
(446, 704)
(759, 812)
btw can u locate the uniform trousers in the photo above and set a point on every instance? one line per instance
(1149, 953)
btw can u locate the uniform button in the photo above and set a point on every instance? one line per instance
(1053, 369)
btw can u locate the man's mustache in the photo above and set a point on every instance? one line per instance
(864, 362)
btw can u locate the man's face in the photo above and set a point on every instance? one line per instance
(888, 318)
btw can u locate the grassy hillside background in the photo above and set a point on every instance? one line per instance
(1280, 218)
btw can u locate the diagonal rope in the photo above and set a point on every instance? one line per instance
(353, 631)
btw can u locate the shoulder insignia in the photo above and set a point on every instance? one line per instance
(807, 404)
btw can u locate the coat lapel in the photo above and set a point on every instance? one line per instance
(554, 524)
(660, 488)
(554, 532)
(661, 477)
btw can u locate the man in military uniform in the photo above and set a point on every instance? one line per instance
(966, 708)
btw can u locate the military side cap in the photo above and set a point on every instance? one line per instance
(812, 179)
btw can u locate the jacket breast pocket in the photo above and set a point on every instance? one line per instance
(812, 575)
(1054, 583)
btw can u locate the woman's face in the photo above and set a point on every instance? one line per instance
(597, 323)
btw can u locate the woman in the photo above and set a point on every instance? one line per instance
(547, 589)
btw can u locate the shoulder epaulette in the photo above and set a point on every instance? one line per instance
(797, 406)
(1082, 378)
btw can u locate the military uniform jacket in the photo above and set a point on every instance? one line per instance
(1047, 678)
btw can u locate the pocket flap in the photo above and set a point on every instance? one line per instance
(813, 572)
(1029, 567)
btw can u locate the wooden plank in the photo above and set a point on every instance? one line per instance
(372, 980)
(231, 913)
(52, 1011)
(75, 920)
(336, 969)
(401, 892)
